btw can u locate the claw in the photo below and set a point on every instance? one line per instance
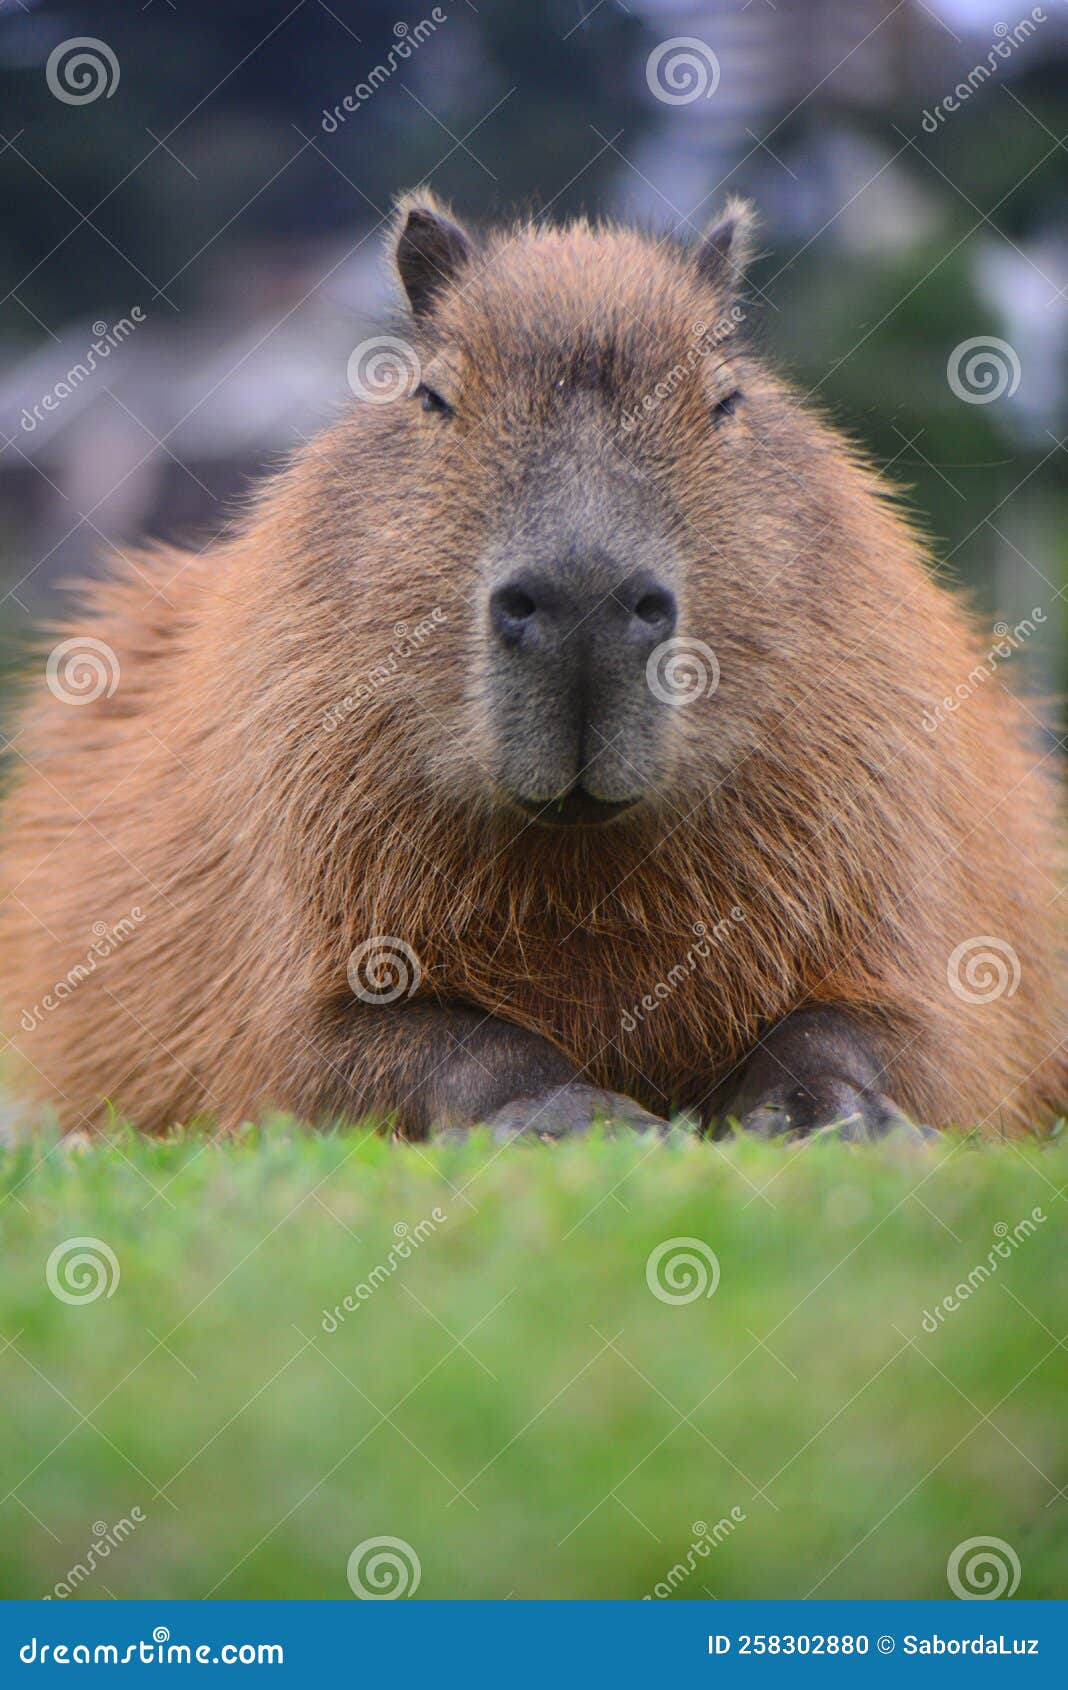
(831, 1109)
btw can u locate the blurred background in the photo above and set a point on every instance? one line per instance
(191, 242)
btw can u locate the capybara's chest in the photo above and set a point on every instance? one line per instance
(652, 1011)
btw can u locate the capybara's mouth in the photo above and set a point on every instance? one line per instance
(577, 808)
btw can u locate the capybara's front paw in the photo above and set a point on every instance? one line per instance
(832, 1107)
(571, 1109)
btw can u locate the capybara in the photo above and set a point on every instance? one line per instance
(576, 726)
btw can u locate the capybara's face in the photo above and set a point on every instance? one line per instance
(571, 462)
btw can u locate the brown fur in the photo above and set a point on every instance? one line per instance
(805, 792)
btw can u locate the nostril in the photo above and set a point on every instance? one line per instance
(657, 609)
(512, 610)
(513, 602)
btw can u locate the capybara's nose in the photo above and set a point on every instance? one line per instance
(537, 611)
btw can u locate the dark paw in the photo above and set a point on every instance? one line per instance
(833, 1108)
(572, 1109)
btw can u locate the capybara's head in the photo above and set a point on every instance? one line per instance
(589, 469)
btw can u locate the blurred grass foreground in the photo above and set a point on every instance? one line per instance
(303, 1367)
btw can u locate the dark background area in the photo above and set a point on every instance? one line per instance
(202, 187)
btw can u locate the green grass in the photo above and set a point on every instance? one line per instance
(513, 1401)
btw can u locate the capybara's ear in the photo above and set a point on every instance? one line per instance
(431, 248)
(727, 248)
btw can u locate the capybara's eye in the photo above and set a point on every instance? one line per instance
(724, 408)
(433, 401)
